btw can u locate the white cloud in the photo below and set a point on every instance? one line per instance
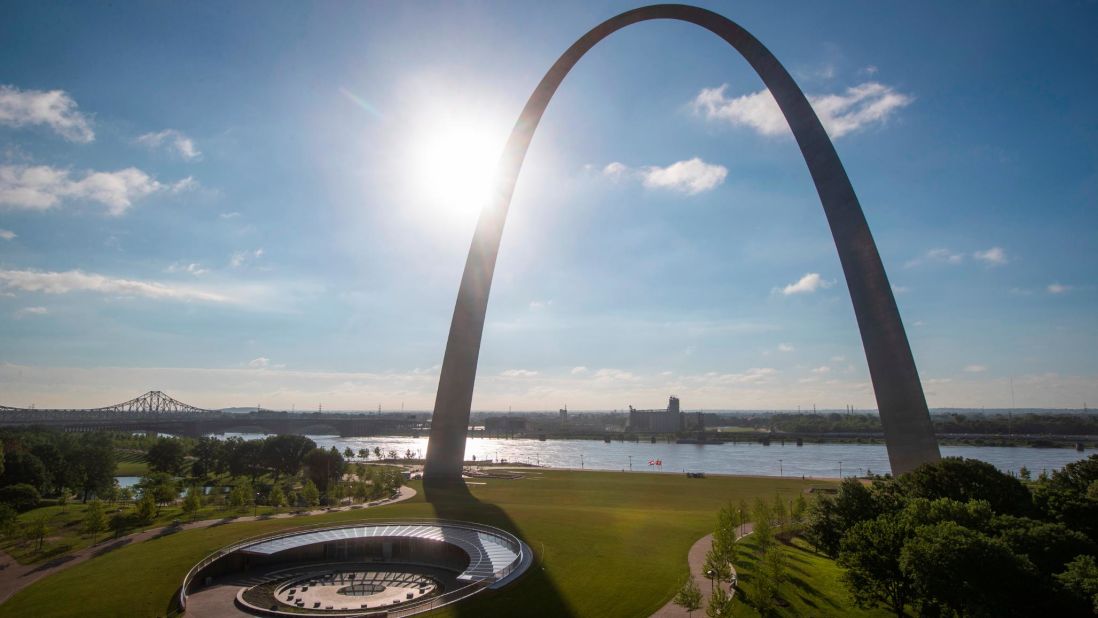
(229, 215)
(578, 371)
(192, 268)
(822, 369)
(41, 187)
(26, 311)
(691, 176)
(535, 305)
(259, 363)
(173, 140)
(857, 107)
(936, 256)
(519, 373)
(615, 170)
(900, 289)
(78, 281)
(52, 108)
(7, 234)
(994, 256)
(785, 347)
(607, 375)
(869, 70)
(239, 258)
(1058, 288)
(975, 368)
(807, 284)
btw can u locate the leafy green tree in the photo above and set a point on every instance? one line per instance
(21, 496)
(23, 468)
(285, 454)
(764, 526)
(207, 452)
(363, 453)
(770, 578)
(689, 596)
(1080, 581)
(377, 452)
(161, 486)
(276, 498)
(720, 604)
(94, 472)
(166, 455)
(324, 466)
(348, 453)
(36, 530)
(1049, 546)
(968, 479)
(964, 571)
(118, 524)
(870, 553)
(830, 517)
(9, 519)
(95, 520)
(146, 508)
(716, 567)
(242, 494)
(1064, 496)
(310, 495)
(192, 502)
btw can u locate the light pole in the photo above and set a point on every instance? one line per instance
(255, 506)
(840, 470)
(630, 463)
(781, 471)
(581, 461)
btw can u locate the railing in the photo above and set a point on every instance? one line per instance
(507, 538)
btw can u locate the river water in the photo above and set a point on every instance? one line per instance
(752, 458)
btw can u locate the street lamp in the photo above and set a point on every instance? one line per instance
(255, 506)
(840, 470)
(630, 463)
(781, 471)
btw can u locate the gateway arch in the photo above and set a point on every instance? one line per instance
(909, 434)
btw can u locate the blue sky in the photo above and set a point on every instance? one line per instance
(271, 203)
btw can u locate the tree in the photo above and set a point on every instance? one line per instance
(285, 454)
(310, 495)
(192, 502)
(322, 466)
(363, 453)
(9, 519)
(348, 453)
(21, 496)
(871, 556)
(95, 521)
(1080, 581)
(207, 452)
(716, 568)
(36, 531)
(145, 509)
(967, 572)
(242, 494)
(764, 528)
(97, 462)
(161, 486)
(118, 524)
(276, 498)
(968, 479)
(1064, 496)
(22, 467)
(377, 452)
(771, 575)
(689, 596)
(720, 604)
(166, 455)
(780, 513)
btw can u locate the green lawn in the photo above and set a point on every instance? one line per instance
(607, 544)
(814, 587)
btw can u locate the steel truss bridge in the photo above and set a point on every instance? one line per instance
(156, 411)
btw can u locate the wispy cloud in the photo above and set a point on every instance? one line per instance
(975, 368)
(785, 347)
(172, 140)
(229, 215)
(807, 285)
(240, 258)
(822, 369)
(193, 269)
(1058, 288)
(7, 234)
(936, 256)
(52, 108)
(536, 305)
(855, 108)
(994, 256)
(578, 371)
(30, 311)
(691, 176)
(79, 281)
(518, 373)
(41, 187)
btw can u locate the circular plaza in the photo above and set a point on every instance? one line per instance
(390, 568)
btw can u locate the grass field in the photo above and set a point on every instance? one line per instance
(607, 544)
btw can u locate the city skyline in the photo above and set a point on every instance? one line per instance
(286, 224)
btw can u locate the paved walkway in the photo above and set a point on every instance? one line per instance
(696, 558)
(14, 576)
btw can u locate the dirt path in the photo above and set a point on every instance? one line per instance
(14, 576)
(696, 558)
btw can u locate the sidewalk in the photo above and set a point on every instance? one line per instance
(696, 559)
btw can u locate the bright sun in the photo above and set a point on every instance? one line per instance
(453, 168)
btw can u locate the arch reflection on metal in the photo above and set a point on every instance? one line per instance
(909, 434)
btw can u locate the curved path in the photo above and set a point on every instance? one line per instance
(14, 576)
(696, 558)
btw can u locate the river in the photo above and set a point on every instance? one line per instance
(750, 458)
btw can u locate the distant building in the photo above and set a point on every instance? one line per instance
(564, 416)
(505, 424)
(657, 421)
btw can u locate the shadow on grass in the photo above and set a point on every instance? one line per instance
(118, 544)
(539, 594)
